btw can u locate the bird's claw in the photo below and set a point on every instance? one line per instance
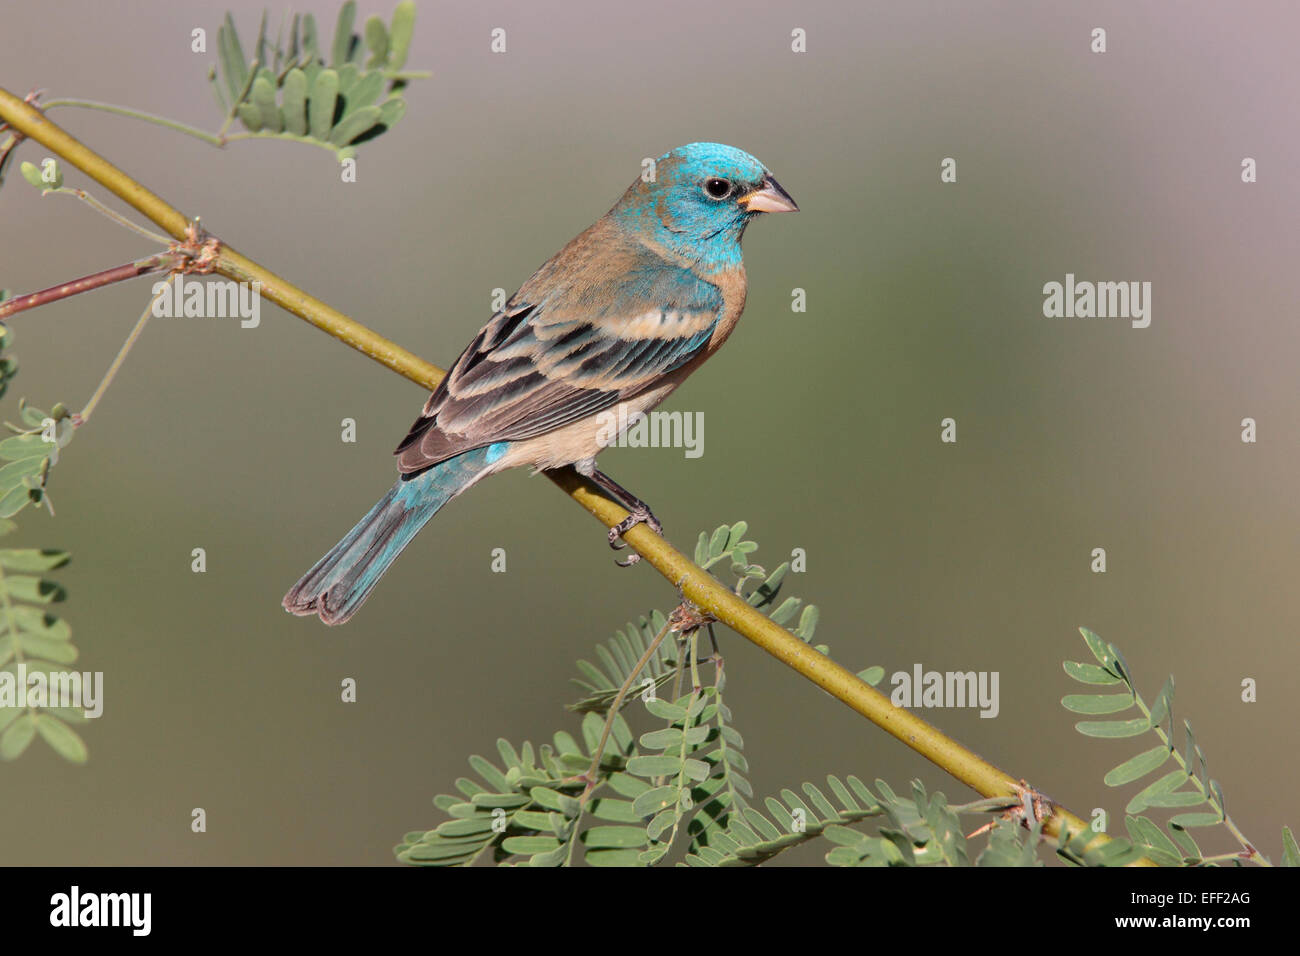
(638, 516)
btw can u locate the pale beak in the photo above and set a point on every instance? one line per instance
(769, 197)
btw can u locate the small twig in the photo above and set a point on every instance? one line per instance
(162, 262)
(81, 419)
(591, 776)
(197, 253)
(207, 137)
(99, 207)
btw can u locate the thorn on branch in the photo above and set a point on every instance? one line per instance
(1034, 806)
(198, 254)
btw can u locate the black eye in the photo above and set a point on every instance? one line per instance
(717, 188)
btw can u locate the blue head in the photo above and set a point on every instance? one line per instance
(699, 201)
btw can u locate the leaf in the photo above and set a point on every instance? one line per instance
(1113, 728)
(1182, 798)
(27, 587)
(1090, 673)
(353, 125)
(263, 97)
(233, 64)
(653, 801)
(1137, 767)
(17, 737)
(653, 766)
(718, 543)
(1100, 649)
(1217, 793)
(1146, 834)
(62, 739)
(26, 446)
(786, 611)
(490, 773)
(872, 675)
(471, 826)
(1187, 821)
(32, 559)
(366, 91)
(399, 41)
(554, 800)
(376, 41)
(8, 715)
(664, 710)
(348, 76)
(14, 501)
(527, 845)
(60, 652)
(808, 622)
(1290, 851)
(391, 111)
(1185, 843)
(32, 173)
(324, 93)
(310, 37)
(13, 474)
(343, 34)
(614, 836)
(1160, 709)
(1097, 703)
(295, 102)
(504, 801)
(661, 739)
(618, 811)
(1164, 785)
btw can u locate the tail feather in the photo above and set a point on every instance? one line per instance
(342, 580)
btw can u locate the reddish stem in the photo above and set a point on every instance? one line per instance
(162, 262)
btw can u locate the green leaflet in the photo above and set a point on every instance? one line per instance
(1290, 851)
(1137, 767)
(320, 110)
(31, 634)
(399, 40)
(376, 35)
(294, 93)
(1113, 728)
(1188, 786)
(1097, 703)
(343, 38)
(62, 739)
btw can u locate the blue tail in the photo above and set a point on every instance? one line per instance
(336, 587)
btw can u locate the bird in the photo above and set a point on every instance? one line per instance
(614, 321)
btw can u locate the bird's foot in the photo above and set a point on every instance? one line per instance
(636, 516)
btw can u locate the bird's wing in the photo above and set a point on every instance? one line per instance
(581, 336)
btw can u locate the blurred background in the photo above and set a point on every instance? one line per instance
(924, 301)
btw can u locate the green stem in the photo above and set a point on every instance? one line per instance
(99, 207)
(136, 114)
(306, 140)
(117, 362)
(592, 774)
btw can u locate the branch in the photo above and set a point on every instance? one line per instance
(694, 582)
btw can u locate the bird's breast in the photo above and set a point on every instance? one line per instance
(733, 285)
